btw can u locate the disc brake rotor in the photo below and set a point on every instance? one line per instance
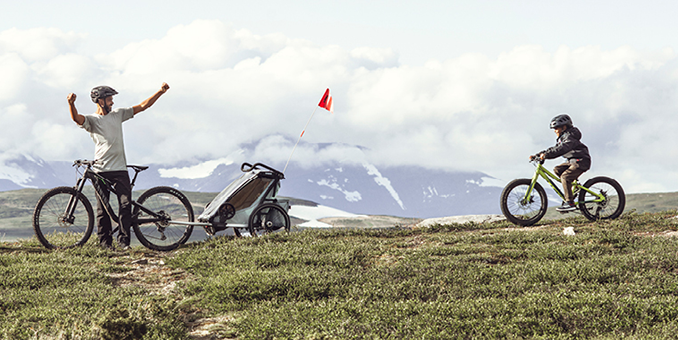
(61, 221)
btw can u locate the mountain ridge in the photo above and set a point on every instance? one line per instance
(361, 188)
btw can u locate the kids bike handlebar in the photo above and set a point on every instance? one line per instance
(536, 159)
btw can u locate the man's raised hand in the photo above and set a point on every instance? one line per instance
(71, 98)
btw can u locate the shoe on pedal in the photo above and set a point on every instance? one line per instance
(566, 207)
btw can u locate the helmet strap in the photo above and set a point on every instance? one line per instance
(104, 107)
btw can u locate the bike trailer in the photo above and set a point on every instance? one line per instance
(258, 185)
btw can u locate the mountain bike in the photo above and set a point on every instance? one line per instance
(524, 201)
(63, 217)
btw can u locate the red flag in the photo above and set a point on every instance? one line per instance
(326, 101)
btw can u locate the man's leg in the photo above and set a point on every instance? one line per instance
(104, 221)
(122, 186)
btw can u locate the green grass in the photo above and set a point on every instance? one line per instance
(68, 295)
(445, 282)
(613, 280)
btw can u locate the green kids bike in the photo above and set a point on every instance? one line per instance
(524, 201)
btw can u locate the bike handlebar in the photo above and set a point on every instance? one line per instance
(84, 162)
(536, 159)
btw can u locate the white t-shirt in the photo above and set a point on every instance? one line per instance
(106, 132)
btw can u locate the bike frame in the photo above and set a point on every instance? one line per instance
(97, 181)
(541, 171)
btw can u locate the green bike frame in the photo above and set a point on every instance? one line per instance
(550, 177)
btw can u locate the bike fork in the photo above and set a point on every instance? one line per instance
(528, 194)
(73, 202)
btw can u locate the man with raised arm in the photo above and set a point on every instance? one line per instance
(105, 128)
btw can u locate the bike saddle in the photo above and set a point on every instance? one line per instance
(138, 168)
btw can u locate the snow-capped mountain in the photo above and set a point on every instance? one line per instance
(406, 191)
(399, 191)
(22, 171)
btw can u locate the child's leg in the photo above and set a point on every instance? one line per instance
(568, 176)
(559, 169)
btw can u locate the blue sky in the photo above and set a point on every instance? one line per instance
(454, 85)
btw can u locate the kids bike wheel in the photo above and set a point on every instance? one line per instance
(52, 225)
(517, 209)
(171, 205)
(610, 206)
(267, 218)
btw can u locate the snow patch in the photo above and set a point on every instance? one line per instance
(384, 182)
(492, 182)
(15, 174)
(196, 171)
(487, 182)
(315, 224)
(351, 196)
(312, 214)
(430, 192)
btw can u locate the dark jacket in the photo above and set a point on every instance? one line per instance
(569, 146)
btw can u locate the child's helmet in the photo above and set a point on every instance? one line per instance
(561, 120)
(101, 92)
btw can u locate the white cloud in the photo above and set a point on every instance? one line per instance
(231, 87)
(38, 44)
(16, 121)
(15, 74)
(66, 71)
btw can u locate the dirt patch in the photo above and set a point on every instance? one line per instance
(210, 328)
(151, 273)
(373, 221)
(460, 219)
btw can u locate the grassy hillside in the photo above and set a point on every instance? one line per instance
(612, 280)
(652, 202)
(16, 207)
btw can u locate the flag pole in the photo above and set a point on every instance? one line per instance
(298, 139)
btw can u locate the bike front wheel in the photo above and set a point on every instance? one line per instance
(54, 227)
(267, 218)
(156, 231)
(607, 203)
(520, 210)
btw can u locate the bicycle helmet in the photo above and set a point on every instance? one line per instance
(101, 92)
(561, 120)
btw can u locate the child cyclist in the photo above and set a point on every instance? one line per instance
(570, 147)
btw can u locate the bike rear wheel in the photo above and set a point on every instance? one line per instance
(517, 209)
(268, 218)
(53, 228)
(171, 205)
(610, 207)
